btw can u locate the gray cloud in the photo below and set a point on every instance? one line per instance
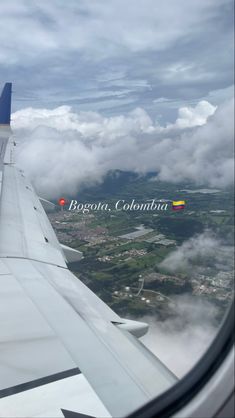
(102, 29)
(112, 57)
(63, 150)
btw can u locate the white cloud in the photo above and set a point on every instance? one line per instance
(180, 341)
(61, 149)
(197, 116)
(200, 251)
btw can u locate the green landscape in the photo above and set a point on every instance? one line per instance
(124, 251)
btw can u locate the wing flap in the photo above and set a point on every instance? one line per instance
(64, 392)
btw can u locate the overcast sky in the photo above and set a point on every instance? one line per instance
(112, 56)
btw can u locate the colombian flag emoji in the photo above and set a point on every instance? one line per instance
(178, 204)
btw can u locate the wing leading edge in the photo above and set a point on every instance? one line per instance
(52, 322)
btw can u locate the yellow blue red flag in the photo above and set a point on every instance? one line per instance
(178, 204)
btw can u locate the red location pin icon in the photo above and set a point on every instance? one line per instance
(62, 202)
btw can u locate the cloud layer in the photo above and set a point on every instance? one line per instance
(62, 150)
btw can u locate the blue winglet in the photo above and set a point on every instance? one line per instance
(5, 105)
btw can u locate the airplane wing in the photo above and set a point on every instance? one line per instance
(61, 348)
